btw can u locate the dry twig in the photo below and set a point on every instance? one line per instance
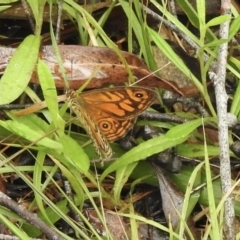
(221, 99)
(29, 217)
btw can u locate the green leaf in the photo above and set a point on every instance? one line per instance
(7, 1)
(201, 16)
(31, 134)
(218, 20)
(235, 106)
(32, 121)
(139, 27)
(122, 175)
(76, 155)
(181, 131)
(215, 43)
(234, 27)
(196, 150)
(188, 9)
(173, 137)
(19, 70)
(2, 8)
(49, 92)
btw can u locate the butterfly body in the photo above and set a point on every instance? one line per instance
(108, 114)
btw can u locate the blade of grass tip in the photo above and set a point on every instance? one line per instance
(212, 205)
(133, 223)
(150, 222)
(14, 229)
(144, 39)
(190, 199)
(122, 176)
(201, 18)
(90, 196)
(37, 177)
(73, 177)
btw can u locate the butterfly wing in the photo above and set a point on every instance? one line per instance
(108, 114)
(114, 110)
(100, 142)
(120, 102)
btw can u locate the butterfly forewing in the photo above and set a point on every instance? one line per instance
(120, 102)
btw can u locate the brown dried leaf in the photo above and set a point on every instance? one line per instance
(115, 224)
(172, 198)
(81, 62)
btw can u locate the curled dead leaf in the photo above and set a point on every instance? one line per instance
(101, 64)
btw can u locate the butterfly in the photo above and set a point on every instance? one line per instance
(108, 114)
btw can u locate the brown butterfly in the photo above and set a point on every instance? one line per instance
(108, 114)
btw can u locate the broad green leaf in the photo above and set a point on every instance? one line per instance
(181, 131)
(30, 134)
(19, 70)
(75, 153)
(32, 121)
(196, 150)
(173, 137)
